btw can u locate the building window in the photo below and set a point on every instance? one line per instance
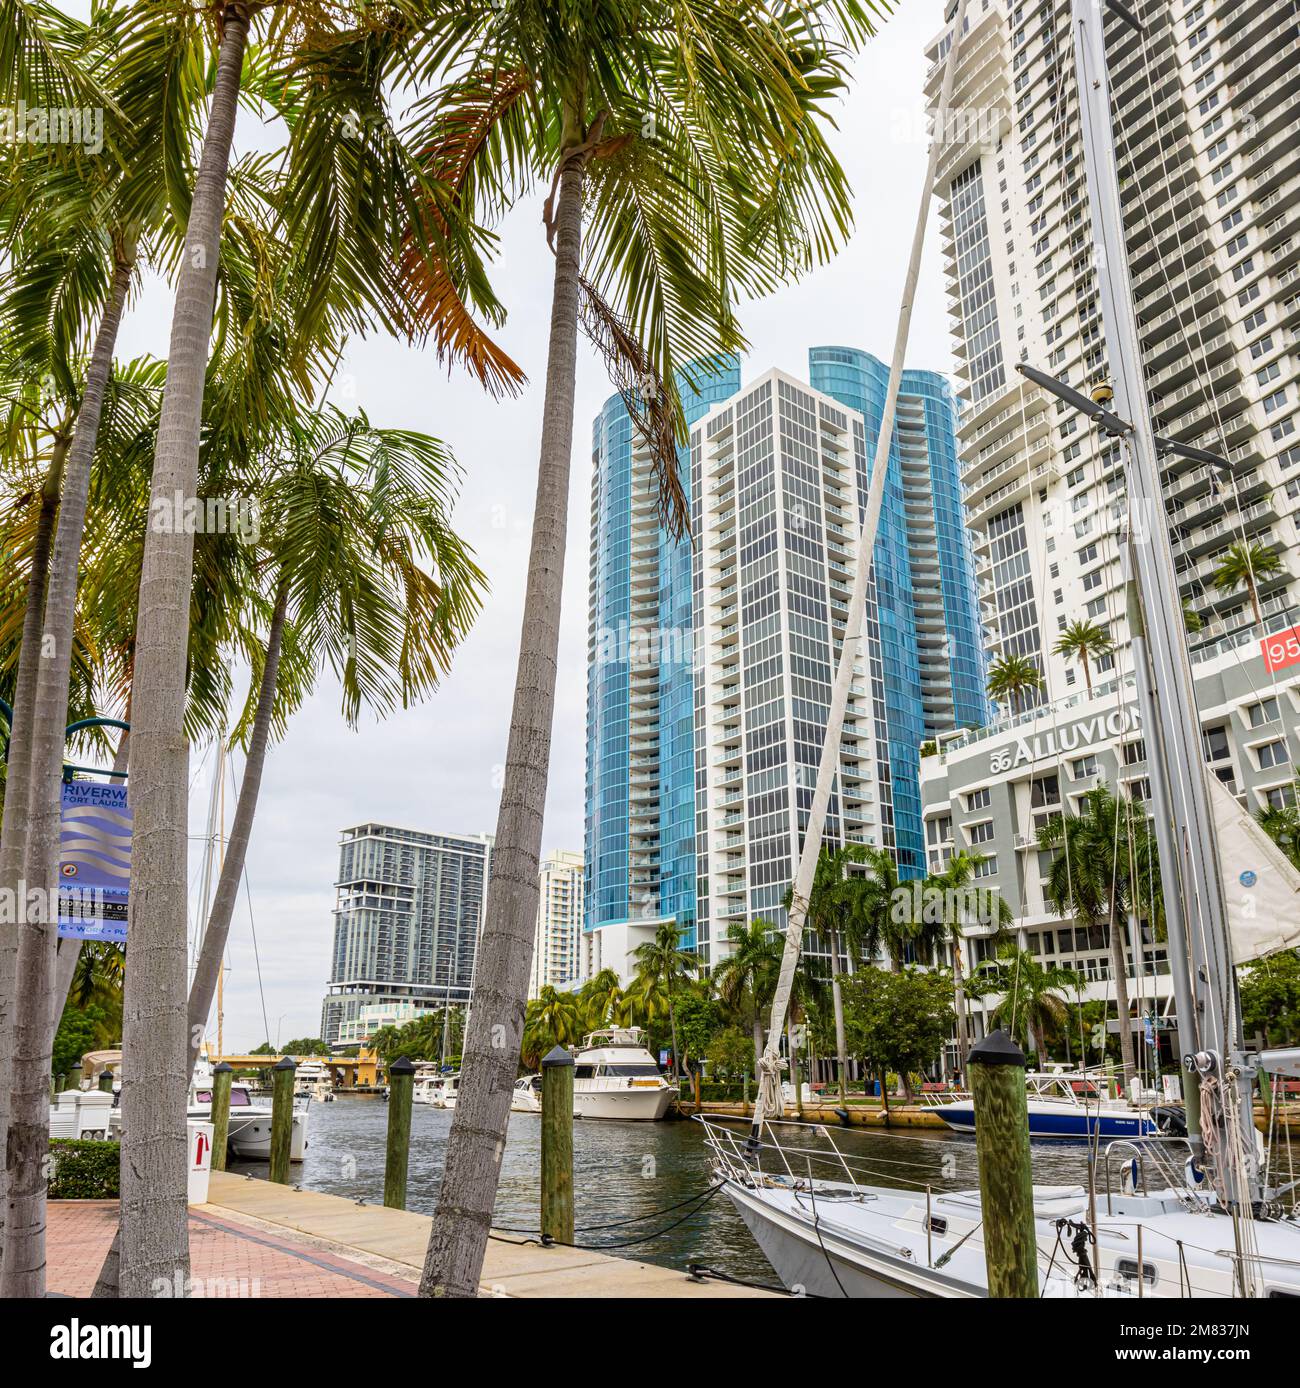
(1263, 712)
(980, 833)
(978, 799)
(1272, 754)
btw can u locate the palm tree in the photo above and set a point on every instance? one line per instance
(1282, 824)
(745, 976)
(1104, 870)
(664, 962)
(361, 194)
(1246, 563)
(954, 878)
(690, 138)
(601, 997)
(1013, 677)
(1084, 641)
(1191, 618)
(883, 921)
(1034, 995)
(350, 512)
(835, 911)
(553, 1019)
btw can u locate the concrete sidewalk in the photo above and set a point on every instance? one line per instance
(229, 1257)
(256, 1239)
(399, 1238)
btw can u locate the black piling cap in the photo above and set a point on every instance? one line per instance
(556, 1056)
(288, 1063)
(997, 1048)
(401, 1066)
(223, 1068)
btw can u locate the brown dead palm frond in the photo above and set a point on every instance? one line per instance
(647, 401)
(464, 131)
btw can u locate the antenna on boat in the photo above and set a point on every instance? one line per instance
(769, 1079)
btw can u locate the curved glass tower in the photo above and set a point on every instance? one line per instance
(930, 653)
(640, 777)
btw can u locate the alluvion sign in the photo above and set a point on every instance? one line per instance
(1073, 738)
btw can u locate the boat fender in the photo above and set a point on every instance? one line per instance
(843, 1115)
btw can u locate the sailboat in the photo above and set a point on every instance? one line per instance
(1191, 1217)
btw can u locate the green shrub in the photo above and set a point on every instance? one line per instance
(84, 1170)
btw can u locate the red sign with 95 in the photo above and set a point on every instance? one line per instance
(1281, 649)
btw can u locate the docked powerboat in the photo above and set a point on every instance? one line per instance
(435, 1089)
(616, 1077)
(1071, 1105)
(249, 1135)
(314, 1081)
(527, 1095)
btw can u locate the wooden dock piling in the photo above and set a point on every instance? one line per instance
(282, 1076)
(222, 1075)
(996, 1070)
(401, 1090)
(557, 1145)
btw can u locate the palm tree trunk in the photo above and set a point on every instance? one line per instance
(34, 1019)
(13, 830)
(217, 929)
(1120, 969)
(1254, 598)
(959, 997)
(155, 1046)
(794, 1064)
(837, 1002)
(672, 1026)
(460, 1227)
(1087, 673)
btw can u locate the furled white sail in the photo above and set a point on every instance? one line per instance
(1260, 885)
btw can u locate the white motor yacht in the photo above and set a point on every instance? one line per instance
(616, 1077)
(314, 1081)
(527, 1096)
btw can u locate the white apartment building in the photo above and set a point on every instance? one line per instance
(1207, 118)
(1207, 106)
(775, 525)
(557, 947)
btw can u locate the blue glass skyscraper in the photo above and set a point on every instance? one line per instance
(647, 699)
(640, 777)
(923, 573)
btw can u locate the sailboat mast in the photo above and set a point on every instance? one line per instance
(854, 626)
(1193, 884)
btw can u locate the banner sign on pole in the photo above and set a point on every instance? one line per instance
(94, 861)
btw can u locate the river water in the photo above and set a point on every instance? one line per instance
(623, 1170)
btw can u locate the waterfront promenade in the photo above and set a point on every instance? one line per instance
(305, 1243)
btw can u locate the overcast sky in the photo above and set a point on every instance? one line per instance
(437, 767)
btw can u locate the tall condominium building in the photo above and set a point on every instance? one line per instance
(407, 918)
(1206, 102)
(640, 791)
(557, 948)
(753, 609)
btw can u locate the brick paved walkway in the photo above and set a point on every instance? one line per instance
(234, 1258)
